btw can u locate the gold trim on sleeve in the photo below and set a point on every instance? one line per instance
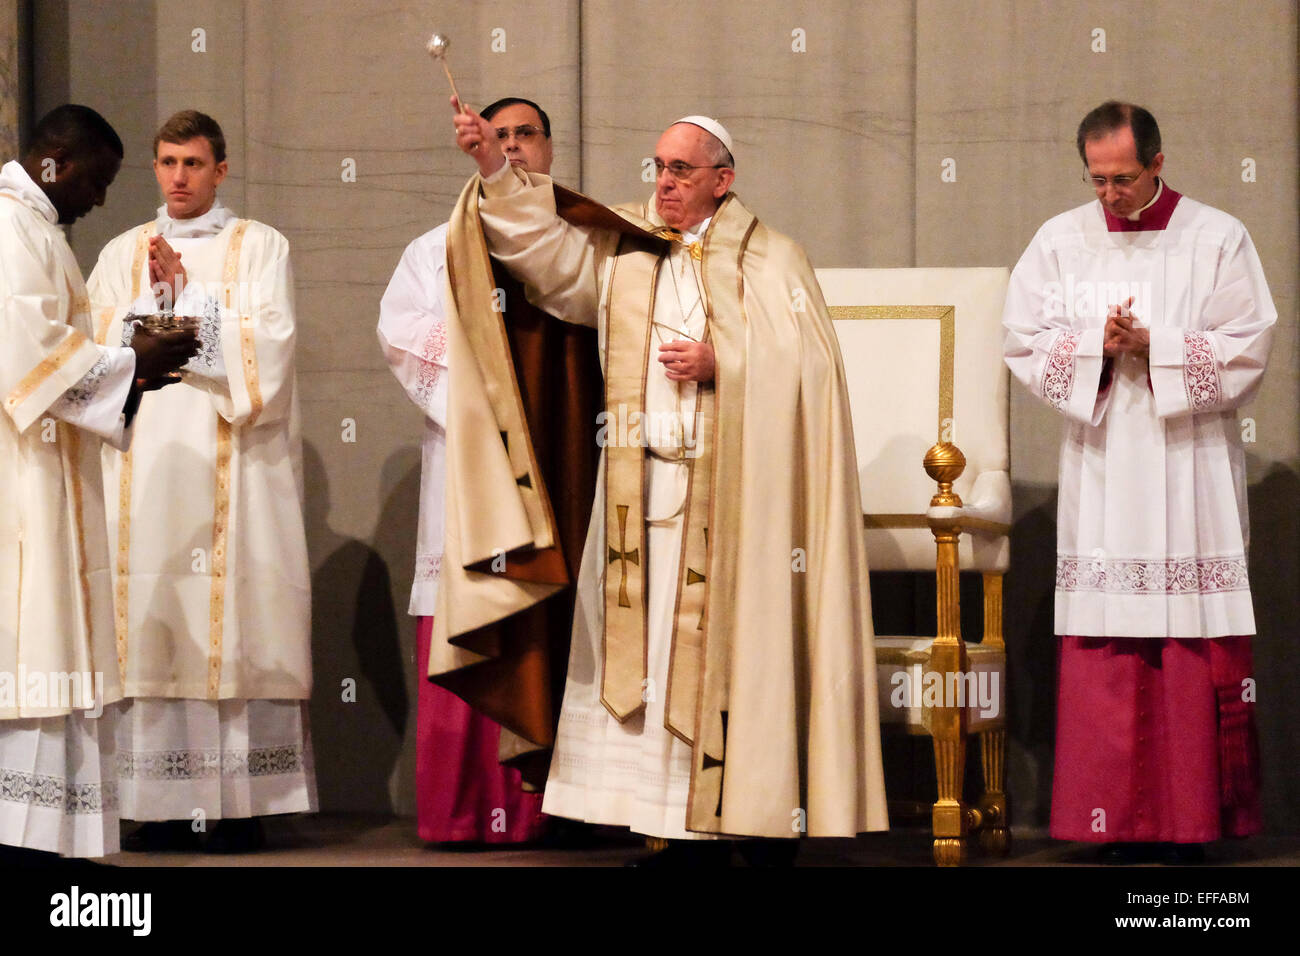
(45, 368)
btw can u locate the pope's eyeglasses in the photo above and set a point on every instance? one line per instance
(681, 171)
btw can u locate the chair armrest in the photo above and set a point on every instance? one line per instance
(988, 506)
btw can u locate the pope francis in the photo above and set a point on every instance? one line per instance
(721, 679)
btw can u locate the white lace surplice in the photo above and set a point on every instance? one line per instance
(1152, 524)
(413, 335)
(228, 758)
(57, 786)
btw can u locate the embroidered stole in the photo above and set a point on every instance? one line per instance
(627, 318)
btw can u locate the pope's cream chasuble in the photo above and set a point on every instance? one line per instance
(722, 599)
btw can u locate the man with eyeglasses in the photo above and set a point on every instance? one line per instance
(722, 679)
(463, 793)
(1144, 318)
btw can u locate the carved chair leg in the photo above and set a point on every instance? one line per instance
(952, 819)
(995, 835)
(949, 816)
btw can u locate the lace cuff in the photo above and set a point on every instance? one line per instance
(79, 396)
(95, 403)
(207, 361)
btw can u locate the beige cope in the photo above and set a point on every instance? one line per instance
(772, 680)
(213, 590)
(55, 592)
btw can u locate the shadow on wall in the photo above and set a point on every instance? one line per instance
(360, 700)
(1029, 602)
(1274, 566)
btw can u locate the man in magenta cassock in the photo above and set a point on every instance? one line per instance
(1144, 318)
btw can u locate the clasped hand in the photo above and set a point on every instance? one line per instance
(165, 272)
(1124, 334)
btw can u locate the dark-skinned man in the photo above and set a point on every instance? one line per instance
(64, 398)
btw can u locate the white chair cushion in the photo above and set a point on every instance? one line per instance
(907, 687)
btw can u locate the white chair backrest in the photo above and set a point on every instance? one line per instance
(922, 353)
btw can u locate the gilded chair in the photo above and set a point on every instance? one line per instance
(923, 356)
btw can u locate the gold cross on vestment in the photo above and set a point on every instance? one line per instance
(624, 556)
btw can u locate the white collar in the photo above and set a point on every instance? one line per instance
(695, 235)
(14, 179)
(200, 227)
(1160, 187)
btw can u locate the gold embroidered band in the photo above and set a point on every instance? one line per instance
(45, 368)
(122, 563)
